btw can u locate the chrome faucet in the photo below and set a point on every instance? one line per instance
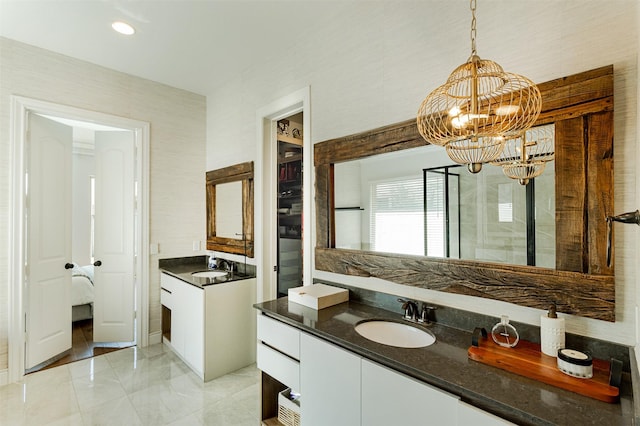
(230, 265)
(424, 314)
(410, 309)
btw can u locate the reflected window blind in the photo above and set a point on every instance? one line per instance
(436, 217)
(396, 223)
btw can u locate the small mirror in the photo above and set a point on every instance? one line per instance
(230, 209)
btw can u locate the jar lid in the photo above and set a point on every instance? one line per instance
(575, 357)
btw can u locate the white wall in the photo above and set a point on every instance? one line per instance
(375, 62)
(177, 166)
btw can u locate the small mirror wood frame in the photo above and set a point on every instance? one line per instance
(581, 106)
(243, 245)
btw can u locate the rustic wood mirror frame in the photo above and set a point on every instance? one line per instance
(239, 172)
(581, 106)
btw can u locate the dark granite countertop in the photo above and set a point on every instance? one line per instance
(445, 365)
(183, 268)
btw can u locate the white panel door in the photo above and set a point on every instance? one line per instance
(48, 288)
(114, 312)
(193, 304)
(470, 415)
(388, 396)
(329, 383)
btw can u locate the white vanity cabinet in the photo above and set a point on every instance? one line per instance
(329, 384)
(278, 352)
(212, 327)
(338, 387)
(470, 415)
(186, 303)
(388, 396)
(187, 325)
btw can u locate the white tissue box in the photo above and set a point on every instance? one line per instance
(318, 296)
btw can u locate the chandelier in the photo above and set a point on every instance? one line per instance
(479, 107)
(525, 156)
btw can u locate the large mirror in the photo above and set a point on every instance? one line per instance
(419, 202)
(576, 276)
(230, 209)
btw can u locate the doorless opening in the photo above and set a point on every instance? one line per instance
(266, 190)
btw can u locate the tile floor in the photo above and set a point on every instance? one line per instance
(133, 386)
(83, 346)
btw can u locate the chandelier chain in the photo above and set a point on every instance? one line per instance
(478, 109)
(472, 5)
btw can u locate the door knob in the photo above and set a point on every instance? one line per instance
(68, 265)
(97, 263)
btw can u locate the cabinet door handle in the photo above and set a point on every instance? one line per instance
(97, 263)
(68, 266)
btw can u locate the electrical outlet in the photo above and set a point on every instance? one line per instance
(196, 245)
(154, 248)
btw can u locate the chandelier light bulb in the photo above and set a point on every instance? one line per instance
(477, 109)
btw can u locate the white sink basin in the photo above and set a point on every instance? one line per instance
(210, 274)
(395, 334)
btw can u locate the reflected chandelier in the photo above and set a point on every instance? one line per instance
(478, 108)
(525, 156)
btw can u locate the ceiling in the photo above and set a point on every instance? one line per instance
(192, 45)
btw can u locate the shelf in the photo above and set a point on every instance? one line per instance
(291, 183)
(289, 139)
(290, 217)
(283, 160)
(290, 237)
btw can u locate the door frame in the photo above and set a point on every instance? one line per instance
(266, 189)
(20, 106)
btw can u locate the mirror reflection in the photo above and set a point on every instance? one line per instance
(419, 202)
(229, 210)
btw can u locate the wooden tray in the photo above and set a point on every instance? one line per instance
(527, 360)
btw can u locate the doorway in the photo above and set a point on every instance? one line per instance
(29, 234)
(266, 191)
(91, 206)
(290, 148)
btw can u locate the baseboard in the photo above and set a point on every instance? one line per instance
(4, 377)
(155, 338)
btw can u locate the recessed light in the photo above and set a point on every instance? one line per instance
(123, 28)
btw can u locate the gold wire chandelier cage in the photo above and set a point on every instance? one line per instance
(526, 156)
(478, 108)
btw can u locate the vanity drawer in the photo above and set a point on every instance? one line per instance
(167, 282)
(166, 298)
(280, 336)
(279, 366)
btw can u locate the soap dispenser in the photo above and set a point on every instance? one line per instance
(551, 332)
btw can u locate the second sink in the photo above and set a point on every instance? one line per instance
(395, 334)
(210, 274)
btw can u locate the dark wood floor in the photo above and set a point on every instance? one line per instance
(83, 345)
